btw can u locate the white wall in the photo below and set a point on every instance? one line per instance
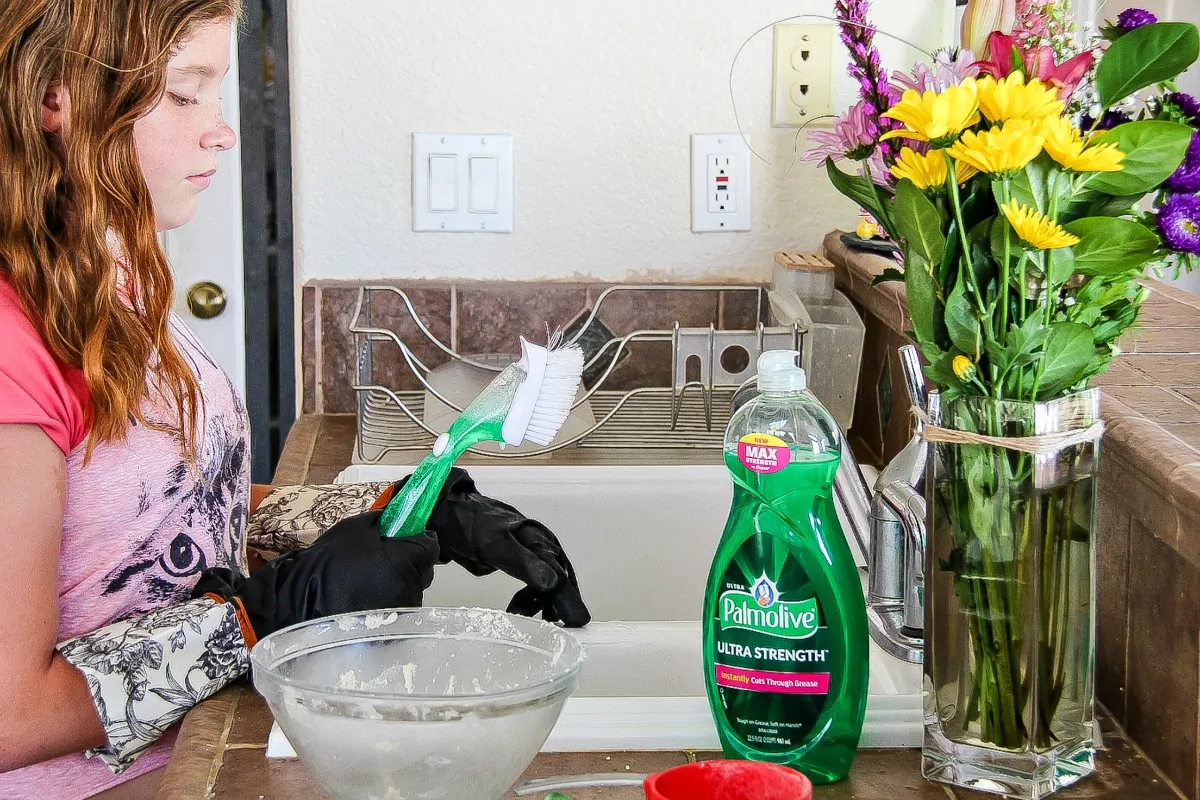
(602, 96)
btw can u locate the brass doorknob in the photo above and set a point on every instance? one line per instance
(206, 299)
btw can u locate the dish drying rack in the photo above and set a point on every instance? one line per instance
(687, 418)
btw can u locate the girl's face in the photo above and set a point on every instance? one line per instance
(179, 140)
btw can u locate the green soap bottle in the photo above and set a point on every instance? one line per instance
(785, 622)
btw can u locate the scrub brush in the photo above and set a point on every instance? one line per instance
(527, 401)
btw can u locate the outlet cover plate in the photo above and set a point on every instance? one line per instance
(720, 183)
(802, 76)
(443, 198)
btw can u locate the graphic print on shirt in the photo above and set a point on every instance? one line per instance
(203, 507)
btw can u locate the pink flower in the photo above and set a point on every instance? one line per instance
(1032, 23)
(876, 169)
(854, 136)
(944, 72)
(1035, 62)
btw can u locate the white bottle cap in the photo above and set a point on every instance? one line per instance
(778, 373)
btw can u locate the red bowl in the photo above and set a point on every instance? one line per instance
(728, 780)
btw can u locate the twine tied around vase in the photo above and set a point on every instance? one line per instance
(1045, 444)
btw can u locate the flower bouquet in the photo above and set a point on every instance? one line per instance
(1031, 186)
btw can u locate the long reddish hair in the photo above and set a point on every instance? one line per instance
(63, 197)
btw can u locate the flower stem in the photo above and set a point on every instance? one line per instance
(956, 203)
(1004, 267)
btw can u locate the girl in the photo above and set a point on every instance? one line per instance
(124, 474)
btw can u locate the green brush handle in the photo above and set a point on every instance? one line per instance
(482, 421)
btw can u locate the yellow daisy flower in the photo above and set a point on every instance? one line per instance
(1002, 149)
(928, 171)
(925, 171)
(1066, 145)
(963, 368)
(1036, 229)
(936, 117)
(1012, 98)
(964, 172)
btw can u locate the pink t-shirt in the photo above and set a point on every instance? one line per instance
(140, 523)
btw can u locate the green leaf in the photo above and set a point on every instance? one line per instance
(1153, 150)
(1001, 231)
(863, 192)
(1020, 343)
(1066, 353)
(1109, 246)
(978, 206)
(1103, 205)
(941, 369)
(1039, 185)
(1117, 319)
(961, 322)
(889, 274)
(1100, 361)
(918, 222)
(918, 286)
(1023, 340)
(1145, 56)
(1061, 265)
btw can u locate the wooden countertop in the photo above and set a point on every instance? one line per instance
(221, 754)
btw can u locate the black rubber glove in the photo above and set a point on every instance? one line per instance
(484, 535)
(350, 568)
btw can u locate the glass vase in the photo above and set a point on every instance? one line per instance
(1010, 600)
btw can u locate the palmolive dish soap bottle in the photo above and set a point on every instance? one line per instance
(785, 622)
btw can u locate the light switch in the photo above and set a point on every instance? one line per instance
(463, 182)
(442, 183)
(484, 184)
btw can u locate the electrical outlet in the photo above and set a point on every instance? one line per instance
(720, 183)
(802, 76)
(721, 199)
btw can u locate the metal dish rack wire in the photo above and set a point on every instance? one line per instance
(689, 414)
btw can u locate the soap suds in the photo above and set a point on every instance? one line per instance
(385, 680)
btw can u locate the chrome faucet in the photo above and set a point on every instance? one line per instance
(893, 533)
(888, 524)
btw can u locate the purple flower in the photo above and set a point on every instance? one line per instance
(865, 65)
(1188, 106)
(1179, 223)
(1108, 120)
(853, 136)
(1187, 177)
(946, 71)
(877, 170)
(1132, 18)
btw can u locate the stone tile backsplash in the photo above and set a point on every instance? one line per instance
(481, 318)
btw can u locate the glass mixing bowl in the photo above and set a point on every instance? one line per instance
(417, 704)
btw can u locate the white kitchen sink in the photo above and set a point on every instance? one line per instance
(641, 539)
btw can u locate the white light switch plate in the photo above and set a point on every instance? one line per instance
(463, 182)
(720, 183)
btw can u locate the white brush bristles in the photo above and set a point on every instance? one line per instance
(545, 397)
